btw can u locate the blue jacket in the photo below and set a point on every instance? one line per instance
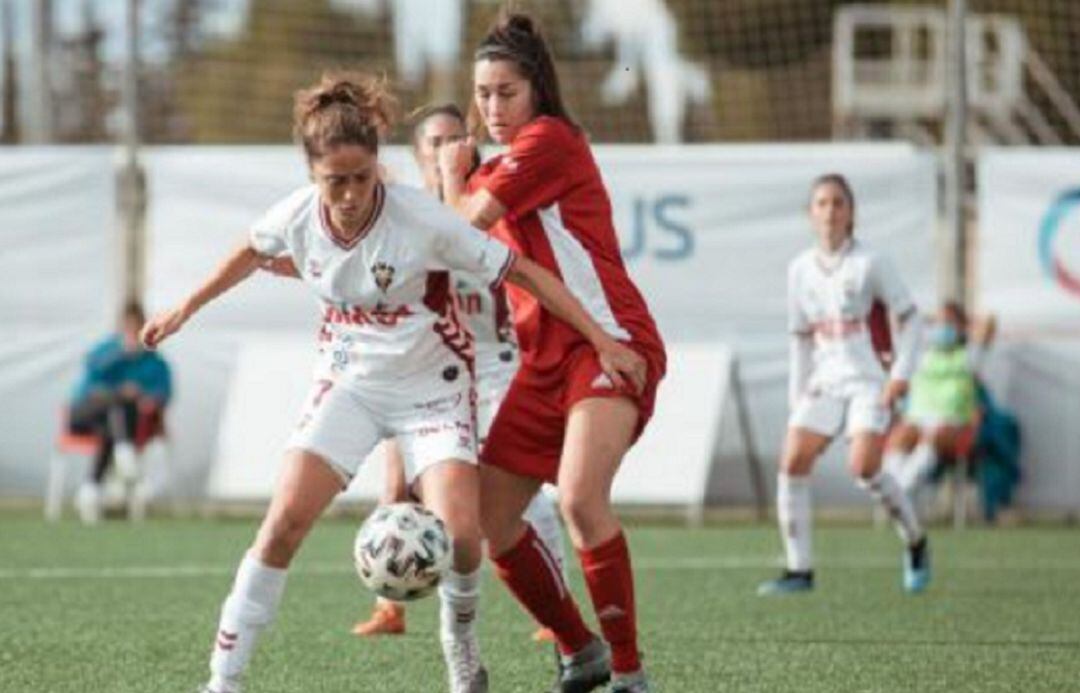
(107, 366)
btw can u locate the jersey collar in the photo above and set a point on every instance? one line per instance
(349, 244)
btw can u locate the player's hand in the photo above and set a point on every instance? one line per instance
(894, 391)
(282, 266)
(626, 367)
(162, 325)
(456, 158)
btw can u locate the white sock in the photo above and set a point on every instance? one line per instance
(885, 490)
(459, 594)
(248, 610)
(542, 516)
(793, 514)
(920, 465)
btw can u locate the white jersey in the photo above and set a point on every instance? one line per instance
(388, 305)
(487, 315)
(831, 299)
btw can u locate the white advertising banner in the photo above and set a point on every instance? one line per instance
(58, 233)
(1029, 240)
(707, 232)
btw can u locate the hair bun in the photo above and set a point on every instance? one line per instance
(520, 23)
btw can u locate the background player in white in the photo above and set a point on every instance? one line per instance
(836, 377)
(488, 318)
(395, 360)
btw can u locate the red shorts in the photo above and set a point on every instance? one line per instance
(526, 437)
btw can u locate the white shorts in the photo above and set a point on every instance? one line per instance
(825, 414)
(490, 390)
(343, 426)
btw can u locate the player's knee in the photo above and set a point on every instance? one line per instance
(500, 531)
(583, 511)
(795, 462)
(281, 537)
(463, 524)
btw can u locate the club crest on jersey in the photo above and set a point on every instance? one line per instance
(383, 274)
(314, 269)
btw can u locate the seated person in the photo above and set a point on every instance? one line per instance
(119, 399)
(940, 418)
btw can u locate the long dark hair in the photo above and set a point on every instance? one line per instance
(517, 38)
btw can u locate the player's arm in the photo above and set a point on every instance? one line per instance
(480, 209)
(908, 335)
(621, 363)
(801, 346)
(238, 266)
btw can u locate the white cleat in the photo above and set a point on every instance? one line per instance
(466, 673)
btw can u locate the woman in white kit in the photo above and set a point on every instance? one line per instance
(487, 315)
(838, 383)
(394, 358)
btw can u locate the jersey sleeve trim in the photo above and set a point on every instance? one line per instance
(500, 278)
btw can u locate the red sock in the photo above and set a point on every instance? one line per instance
(533, 575)
(611, 586)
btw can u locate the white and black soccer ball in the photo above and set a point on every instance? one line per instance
(402, 551)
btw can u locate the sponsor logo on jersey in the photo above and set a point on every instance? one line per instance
(382, 315)
(837, 328)
(384, 274)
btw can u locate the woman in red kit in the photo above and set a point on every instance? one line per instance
(563, 420)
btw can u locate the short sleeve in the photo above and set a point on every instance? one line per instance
(269, 234)
(463, 248)
(536, 170)
(889, 288)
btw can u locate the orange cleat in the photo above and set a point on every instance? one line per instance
(388, 618)
(543, 635)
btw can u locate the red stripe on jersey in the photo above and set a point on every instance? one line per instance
(880, 334)
(439, 299)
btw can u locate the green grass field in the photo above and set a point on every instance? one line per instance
(133, 608)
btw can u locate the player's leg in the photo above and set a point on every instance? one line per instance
(451, 490)
(388, 617)
(522, 448)
(306, 486)
(909, 455)
(867, 445)
(336, 425)
(599, 431)
(543, 515)
(813, 423)
(438, 445)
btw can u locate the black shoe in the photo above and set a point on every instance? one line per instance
(789, 582)
(584, 670)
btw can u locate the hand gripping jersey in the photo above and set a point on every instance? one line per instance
(558, 214)
(833, 302)
(388, 311)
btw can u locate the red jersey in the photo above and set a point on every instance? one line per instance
(558, 214)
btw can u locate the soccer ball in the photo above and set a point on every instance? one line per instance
(402, 551)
